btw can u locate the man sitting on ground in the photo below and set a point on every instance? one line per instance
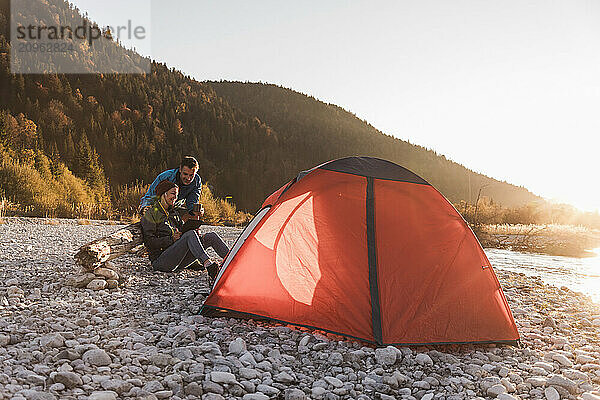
(170, 247)
(189, 182)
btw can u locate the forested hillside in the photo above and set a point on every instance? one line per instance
(112, 129)
(311, 131)
(83, 140)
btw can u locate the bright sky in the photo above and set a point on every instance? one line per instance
(508, 88)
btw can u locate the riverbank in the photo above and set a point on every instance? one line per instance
(146, 339)
(556, 240)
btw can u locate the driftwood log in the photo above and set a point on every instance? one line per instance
(94, 254)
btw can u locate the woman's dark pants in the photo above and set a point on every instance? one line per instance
(188, 248)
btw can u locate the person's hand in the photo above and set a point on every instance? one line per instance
(192, 217)
(176, 235)
(198, 211)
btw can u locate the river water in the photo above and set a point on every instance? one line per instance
(580, 274)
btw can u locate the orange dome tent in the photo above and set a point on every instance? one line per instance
(365, 248)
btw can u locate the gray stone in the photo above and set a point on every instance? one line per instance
(97, 284)
(589, 396)
(423, 359)
(510, 387)
(336, 358)
(294, 394)
(184, 336)
(558, 380)
(210, 347)
(562, 360)
(400, 377)
(335, 382)
(304, 341)
(103, 395)
(69, 379)
(575, 375)
(248, 386)
(495, 390)
(212, 396)
(182, 353)
(255, 396)
(265, 365)
(354, 356)
(12, 282)
(153, 387)
(320, 346)
(283, 377)
(585, 359)
(57, 387)
(82, 322)
(106, 273)
(42, 396)
(52, 340)
(551, 394)
(15, 291)
(237, 346)
(318, 392)
(135, 382)
(35, 380)
(80, 281)
(267, 389)
(160, 360)
(249, 373)
(141, 395)
(193, 389)
(112, 284)
(96, 357)
(547, 366)
(536, 381)
(421, 385)
(385, 356)
(549, 322)
(68, 354)
(212, 387)
(506, 396)
(116, 385)
(222, 377)
(247, 359)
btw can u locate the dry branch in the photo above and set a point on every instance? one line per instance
(94, 254)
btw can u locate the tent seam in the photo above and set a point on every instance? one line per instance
(372, 261)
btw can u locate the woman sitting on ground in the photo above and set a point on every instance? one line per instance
(170, 250)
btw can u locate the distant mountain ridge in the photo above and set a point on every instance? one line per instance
(112, 130)
(311, 131)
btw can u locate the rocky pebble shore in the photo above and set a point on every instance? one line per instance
(145, 340)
